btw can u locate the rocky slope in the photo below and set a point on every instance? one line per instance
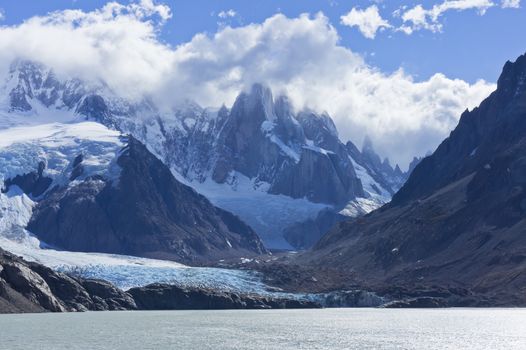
(30, 287)
(460, 219)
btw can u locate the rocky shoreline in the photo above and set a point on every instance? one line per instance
(31, 287)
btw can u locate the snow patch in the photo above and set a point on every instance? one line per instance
(288, 151)
(267, 127)
(376, 194)
(311, 146)
(361, 206)
(373, 189)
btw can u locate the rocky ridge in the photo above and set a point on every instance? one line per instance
(31, 287)
(459, 220)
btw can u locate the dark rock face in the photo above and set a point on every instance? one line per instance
(147, 213)
(33, 184)
(332, 185)
(262, 139)
(169, 297)
(493, 127)
(460, 218)
(94, 107)
(106, 296)
(31, 287)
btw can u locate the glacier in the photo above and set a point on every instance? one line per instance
(21, 148)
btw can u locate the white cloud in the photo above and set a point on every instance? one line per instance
(368, 21)
(227, 14)
(460, 5)
(117, 44)
(515, 4)
(299, 56)
(417, 17)
(147, 8)
(226, 17)
(2, 14)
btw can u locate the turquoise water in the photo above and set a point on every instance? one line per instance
(269, 329)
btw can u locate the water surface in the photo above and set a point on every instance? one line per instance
(269, 329)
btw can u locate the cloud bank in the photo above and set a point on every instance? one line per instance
(301, 57)
(418, 17)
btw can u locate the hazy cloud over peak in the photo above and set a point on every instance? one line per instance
(299, 56)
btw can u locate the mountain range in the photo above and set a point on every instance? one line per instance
(86, 174)
(278, 170)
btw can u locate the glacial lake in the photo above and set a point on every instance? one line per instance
(269, 329)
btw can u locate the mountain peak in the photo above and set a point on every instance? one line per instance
(512, 80)
(259, 89)
(496, 124)
(258, 100)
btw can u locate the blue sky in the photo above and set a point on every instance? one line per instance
(470, 47)
(400, 72)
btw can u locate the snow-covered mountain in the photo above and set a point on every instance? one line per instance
(97, 191)
(42, 163)
(277, 169)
